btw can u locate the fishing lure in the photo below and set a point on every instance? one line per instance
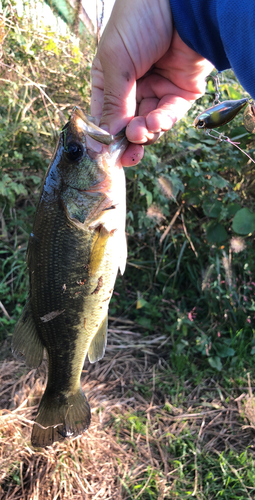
(220, 114)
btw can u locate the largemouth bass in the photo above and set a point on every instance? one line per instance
(77, 245)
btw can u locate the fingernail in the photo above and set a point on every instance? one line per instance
(145, 138)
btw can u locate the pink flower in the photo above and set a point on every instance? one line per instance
(190, 316)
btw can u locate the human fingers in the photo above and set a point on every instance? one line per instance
(113, 98)
(137, 35)
(168, 110)
(132, 155)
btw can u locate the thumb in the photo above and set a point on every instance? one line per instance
(113, 98)
(119, 101)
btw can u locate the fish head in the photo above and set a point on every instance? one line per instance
(89, 154)
(86, 168)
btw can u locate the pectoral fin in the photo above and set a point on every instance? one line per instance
(98, 344)
(26, 343)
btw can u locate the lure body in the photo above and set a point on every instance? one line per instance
(220, 114)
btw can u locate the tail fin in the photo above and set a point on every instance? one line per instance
(58, 419)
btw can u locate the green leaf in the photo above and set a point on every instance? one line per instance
(145, 191)
(212, 208)
(141, 303)
(215, 362)
(218, 182)
(21, 39)
(146, 322)
(191, 198)
(52, 46)
(216, 233)
(232, 208)
(18, 156)
(36, 179)
(211, 87)
(224, 351)
(193, 134)
(233, 93)
(244, 222)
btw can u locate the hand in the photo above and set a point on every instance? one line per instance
(144, 76)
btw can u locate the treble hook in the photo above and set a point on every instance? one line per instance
(225, 138)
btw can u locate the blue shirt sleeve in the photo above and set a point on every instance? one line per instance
(222, 31)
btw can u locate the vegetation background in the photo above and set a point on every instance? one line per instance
(173, 409)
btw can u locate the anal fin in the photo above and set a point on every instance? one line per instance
(98, 344)
(26, 343)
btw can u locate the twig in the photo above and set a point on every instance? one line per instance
(37, 85)
(4, 310)
(121, 320)
(47, 111)
(170, 225)
(26, 108)
(196, 476)
(249, 385)
(143, 488)
(126, 332)
(188, 237)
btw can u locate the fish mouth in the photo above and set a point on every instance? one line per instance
(86, 124)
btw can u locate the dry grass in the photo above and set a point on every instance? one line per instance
(115, 447)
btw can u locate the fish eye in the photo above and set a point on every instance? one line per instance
(74, 151)
(200, 124)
